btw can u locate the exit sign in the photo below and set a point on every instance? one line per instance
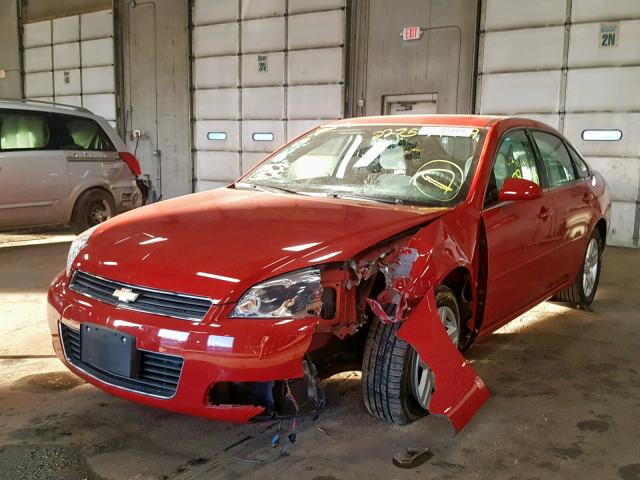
(411, 33)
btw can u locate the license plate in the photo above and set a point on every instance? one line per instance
(109, 350)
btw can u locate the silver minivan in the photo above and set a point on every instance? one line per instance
(62, 165)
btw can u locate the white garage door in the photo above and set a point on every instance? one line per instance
(263, 72)
(574, 64)
(71, 60)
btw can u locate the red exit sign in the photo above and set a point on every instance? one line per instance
(411, 33)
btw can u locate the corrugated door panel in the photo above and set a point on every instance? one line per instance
(262, 136)
(297, 127)
(97, 52)
(212, 72)
(217, 165)
(548, 118)
(249, 160)
(622, 175)
(627, 123)
(67, 82)
(622, 221)
(42, 99)
(543, 47)
(66, 29)
(265, 69)
(69, 99)
(66, 55)
(316, 30)
(96, 25)
(264, 35)
(315, 66)
(37, 34)
(585, 51)
(101, 104)
(531, 92)
(263, 103)
(217, 135)
(597, 10)
(503, 14)
(98, 80)
(304, 6)
(203, 185)
(38, 84)
(315, 101)
(214, 11)
(217, 104)
(37, 59)
(603, 89)
(215, 40)
(262, 8)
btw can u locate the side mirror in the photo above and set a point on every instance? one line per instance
(519, 189)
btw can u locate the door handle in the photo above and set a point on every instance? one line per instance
(587, 198)
(545, 213)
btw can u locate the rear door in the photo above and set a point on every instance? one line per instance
(518, 233)
(572, 198)
(33, 172)
(91, 157)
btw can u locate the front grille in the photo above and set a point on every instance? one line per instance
(158, 376)
(146, 300)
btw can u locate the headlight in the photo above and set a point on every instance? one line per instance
(77, 245)
(294, 295)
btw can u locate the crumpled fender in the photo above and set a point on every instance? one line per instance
(459, 390)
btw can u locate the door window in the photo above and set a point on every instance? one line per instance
(24, 131)
(556, 159)
(515, 159)
(581, 166)
(77, 133)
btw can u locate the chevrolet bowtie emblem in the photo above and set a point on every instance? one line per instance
(125, 295)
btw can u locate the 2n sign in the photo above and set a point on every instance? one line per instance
(609, 34)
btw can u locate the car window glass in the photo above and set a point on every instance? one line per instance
(78, 133)
(24, 131)
(555, 157)
(581, 165)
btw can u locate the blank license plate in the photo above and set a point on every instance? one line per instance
(109, 350)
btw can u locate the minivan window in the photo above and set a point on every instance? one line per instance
(23, 131)
(555, 157)
(77, 133)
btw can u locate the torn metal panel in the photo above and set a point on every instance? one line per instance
(459, 390)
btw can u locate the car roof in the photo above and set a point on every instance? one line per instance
(477, 121)
(42, 106)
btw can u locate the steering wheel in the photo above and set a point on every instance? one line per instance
(439, 179)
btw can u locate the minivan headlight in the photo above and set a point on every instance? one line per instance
(294, 295)
(77, 245)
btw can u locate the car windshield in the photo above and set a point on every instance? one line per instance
(428, 165)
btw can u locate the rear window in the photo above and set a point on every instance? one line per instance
(24, 131)
(78, 133)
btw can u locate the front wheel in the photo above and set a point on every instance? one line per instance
(583, 291)
(397, 385)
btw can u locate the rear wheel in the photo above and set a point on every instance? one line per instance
(92, 207)
(583, 291)
(397, 385)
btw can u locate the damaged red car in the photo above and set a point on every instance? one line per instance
(386, 244)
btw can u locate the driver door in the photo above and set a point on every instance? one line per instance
(519, 234)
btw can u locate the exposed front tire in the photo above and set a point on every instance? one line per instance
(583, 291)
(396, 385)
(92, 207)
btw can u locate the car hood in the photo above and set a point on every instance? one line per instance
(221, 242)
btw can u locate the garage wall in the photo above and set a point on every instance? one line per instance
(546, 60)
(10, 57)
(71, 60)
(263, 71)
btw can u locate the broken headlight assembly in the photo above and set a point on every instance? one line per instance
(294, 295)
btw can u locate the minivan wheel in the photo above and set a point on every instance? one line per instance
(583, 291)
(396, 384)
(92, 208)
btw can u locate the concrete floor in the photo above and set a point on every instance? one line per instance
(565, 404)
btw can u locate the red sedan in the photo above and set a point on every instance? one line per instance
(385, 244)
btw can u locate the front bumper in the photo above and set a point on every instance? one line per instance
(214, 350)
